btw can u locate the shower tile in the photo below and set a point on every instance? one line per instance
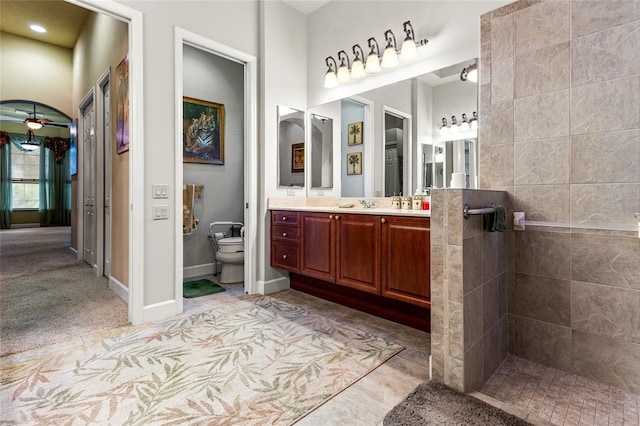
(501, 165)
(544, 299)
(590, 16)
(542, 25)
(606, 157)
(542, 342)
(606, 55)
(543, 203)
(542, 161)
(542, 116)
(607, 106)
(605, 204)
(501, 79)
(490, 305)
(473, 313)
(502, 35)
(543, 253)
(606, 311)
(502, 123)
(618, 260)
(542, 71)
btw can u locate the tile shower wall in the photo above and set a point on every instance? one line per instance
(468, 290)
(560, 132)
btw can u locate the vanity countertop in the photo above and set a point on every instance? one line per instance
(331, 205)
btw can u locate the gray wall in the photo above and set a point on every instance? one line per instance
(560, 132)
(352, 185)
(215, 79)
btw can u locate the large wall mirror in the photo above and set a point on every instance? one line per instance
(291, 147)
(406, 145)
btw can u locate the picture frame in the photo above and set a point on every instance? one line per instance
(354, 163)
(297, 157)
(354, 133)
(73, 148)
(122, 105)
(202, 131)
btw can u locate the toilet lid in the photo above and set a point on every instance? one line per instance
(230, 241)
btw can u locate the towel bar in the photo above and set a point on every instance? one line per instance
(468, 211)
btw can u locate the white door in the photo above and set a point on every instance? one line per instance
(88, 187)
(107, 180)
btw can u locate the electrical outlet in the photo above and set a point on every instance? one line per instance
(291, 192)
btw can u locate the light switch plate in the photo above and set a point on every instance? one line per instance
(160, 212)
(160, 190)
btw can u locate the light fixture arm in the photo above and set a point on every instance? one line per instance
(390, 37)
(332, 67)
(408, 30)
(373, 45)
(358, 53)
(342, 55)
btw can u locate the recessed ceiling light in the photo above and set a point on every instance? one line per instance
(38, 28)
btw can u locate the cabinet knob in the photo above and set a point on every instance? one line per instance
(337, 217)
(284, 256)
(330, 216)
(284, 234)
(383, 220)
(284, 218)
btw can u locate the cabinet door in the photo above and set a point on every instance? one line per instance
(406, 254)
(318, 246)
(358, 252)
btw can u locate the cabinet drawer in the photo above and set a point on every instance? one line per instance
(285, 233)
(282, 217)
(285, 256)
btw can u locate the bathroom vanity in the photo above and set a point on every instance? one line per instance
(373, 260)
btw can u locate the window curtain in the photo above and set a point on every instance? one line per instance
(55, 189)
(5, 181)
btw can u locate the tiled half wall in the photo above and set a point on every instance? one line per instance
(468, 290)
(560, 133)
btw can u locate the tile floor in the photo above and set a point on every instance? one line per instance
(551, 396)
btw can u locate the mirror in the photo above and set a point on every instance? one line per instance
(404, 148)
(321, 151)
(291, 147)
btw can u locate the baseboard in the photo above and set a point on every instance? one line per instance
(120, 289)
(24, 225)
(158, 311)
(273, 286)
(199, 270)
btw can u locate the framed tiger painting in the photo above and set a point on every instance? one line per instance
(202, 131)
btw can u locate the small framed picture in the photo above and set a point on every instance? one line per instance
(297, 157)
(354, 163)
(355, 133)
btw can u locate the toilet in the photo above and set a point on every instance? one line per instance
(229, 253)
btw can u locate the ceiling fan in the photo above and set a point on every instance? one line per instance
(35, 123)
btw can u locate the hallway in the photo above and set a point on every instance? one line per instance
(47, 295)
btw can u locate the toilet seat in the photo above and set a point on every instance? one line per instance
(231, 245)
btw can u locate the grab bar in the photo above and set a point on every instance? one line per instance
(468, 211)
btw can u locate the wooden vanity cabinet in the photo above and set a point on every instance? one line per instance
(317, 257)
(357, 252)
(285, 240)
(406, 258)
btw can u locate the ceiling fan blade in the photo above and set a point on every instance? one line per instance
(52, 124)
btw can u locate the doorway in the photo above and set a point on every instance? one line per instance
(396, 142)
(248, 159)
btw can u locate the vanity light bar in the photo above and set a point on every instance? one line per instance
(463, 126)
(374, 63)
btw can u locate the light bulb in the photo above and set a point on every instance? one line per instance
(343, 74)
(409, 50)
(330, 80)
(473, 76)
(373, 64)
(357, 69)
(389, 58)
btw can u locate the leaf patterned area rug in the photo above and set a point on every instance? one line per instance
(258, 361)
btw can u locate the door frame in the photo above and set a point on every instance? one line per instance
(101, 172)
(136, 149)
(250, 62)
(84, 103)
(407, 169)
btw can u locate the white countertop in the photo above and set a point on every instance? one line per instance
(330, 205)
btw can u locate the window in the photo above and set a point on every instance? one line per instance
(25, 177)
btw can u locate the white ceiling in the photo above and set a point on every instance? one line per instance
(306, 6)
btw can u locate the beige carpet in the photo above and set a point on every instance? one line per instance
(46, 295)
(260, 361)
